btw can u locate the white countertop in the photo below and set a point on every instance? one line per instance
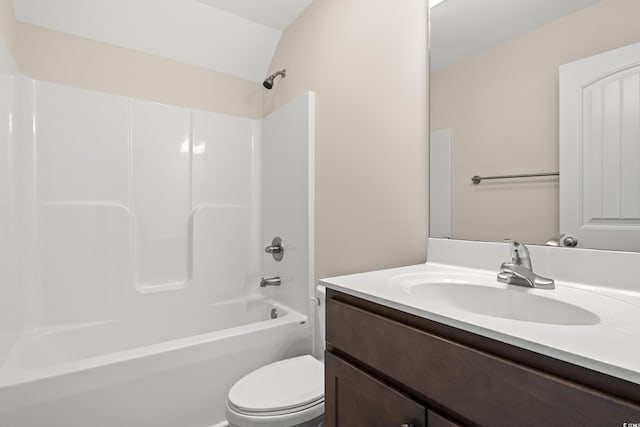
(611, 345)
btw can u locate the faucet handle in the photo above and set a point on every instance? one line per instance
(519, 253)
(276, 249)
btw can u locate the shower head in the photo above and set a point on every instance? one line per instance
(268, 82)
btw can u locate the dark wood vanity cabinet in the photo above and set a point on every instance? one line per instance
(390, 369)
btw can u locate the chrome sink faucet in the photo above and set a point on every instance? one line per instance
(519, 271)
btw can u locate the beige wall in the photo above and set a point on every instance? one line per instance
(367, 62)
(7, 25)
(61, 58)
(503, 108)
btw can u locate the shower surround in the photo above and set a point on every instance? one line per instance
(132, 239)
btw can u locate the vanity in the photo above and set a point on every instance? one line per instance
(445, 345)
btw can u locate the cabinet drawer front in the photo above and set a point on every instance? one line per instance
(354, 398)
(436, 420)
(471, 384)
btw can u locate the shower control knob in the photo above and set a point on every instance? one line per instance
(276, 249)
(570, 241)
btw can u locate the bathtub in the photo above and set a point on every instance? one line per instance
(145, 370)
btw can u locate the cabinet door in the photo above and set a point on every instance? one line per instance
(354, 398)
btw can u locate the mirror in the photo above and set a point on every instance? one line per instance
(494, 105)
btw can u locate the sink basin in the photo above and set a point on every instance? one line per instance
(486, 297)
(507, 303)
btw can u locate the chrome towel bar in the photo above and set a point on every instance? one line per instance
(477, 179)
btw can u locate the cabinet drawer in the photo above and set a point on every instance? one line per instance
(471, 384)
(354, 398)
(436, 420)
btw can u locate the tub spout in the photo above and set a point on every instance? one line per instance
(271, 281)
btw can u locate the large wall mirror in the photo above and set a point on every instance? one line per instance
(494, 105)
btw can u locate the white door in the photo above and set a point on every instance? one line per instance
(600, 150)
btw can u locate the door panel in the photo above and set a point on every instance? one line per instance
(600, 150)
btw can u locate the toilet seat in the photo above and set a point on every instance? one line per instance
(288, 392)
(283, 387)
(319, 403)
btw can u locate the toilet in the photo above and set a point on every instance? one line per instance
(286, 393)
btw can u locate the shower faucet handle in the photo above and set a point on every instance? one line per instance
(276, 249)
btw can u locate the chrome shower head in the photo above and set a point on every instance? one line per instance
(268, 82)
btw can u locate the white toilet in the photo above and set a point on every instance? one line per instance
(286, 393)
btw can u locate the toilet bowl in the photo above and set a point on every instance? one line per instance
(287, 393)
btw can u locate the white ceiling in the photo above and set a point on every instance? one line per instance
(278, 14)
(237, 37)
(461, 28)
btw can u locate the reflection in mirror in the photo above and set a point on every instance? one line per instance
(494, 88)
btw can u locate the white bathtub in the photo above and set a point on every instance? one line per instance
(155, 370)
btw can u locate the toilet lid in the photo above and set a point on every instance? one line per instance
(279, 386)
